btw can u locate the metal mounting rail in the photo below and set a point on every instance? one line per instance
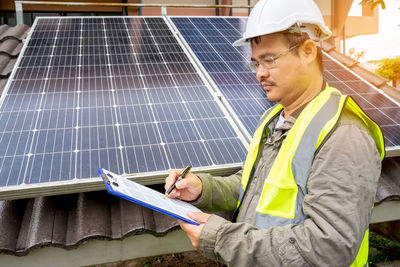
(20, 17)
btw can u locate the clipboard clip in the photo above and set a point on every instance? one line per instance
(109, 178)
(105, 178)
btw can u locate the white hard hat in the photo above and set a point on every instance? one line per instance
(271, 16)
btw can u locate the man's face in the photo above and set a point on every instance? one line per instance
(282, 83)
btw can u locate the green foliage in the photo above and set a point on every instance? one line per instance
(151, 261)
(387, 250)
(389, 68)
(373, 3)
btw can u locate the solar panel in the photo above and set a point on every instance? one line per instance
(119, 93)
(124, 93)
(381, 108)
(210, 40)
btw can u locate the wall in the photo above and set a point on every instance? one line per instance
(150, 11)
(336, 17)
(8, 5)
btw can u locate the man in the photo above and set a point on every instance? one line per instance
(305, 193)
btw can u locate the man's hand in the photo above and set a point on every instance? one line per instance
(194, 231)
(188, 189)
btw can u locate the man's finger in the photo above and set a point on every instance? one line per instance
(168, 182)
(173, 174)
(199, 217)
(182, 184)
(176, 194)
(184, 225)
(192, 231)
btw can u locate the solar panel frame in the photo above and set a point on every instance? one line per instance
(95, 183)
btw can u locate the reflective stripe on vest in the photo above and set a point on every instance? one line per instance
(284, 189)
(362, 256)
(254, 146)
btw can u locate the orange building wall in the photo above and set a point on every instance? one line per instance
(8, 5)
(336, 17)
(156, 11)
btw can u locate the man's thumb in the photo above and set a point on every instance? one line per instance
(199, 217)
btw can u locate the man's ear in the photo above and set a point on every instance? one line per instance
(308, 51)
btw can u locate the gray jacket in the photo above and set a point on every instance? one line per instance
(341, 190)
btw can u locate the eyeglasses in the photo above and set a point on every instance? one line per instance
(268, 62)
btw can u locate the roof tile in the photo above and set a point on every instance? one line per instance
(18, 32)
(347, 61)
(373, 78)
(389, 183)
(391, 91)
(68, 220)
(3, 82)
(11, 47)
(327, 47)
(6, 65)
(3, 29)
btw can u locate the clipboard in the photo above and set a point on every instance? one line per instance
(147, 197)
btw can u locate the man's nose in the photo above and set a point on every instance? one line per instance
(262, 73)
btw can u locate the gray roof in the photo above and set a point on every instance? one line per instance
(389, 182)
(10, 45)
(69, 220)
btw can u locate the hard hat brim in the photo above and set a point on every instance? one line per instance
(326, 34)
(241, 42)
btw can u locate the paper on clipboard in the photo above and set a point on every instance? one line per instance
(147, 197)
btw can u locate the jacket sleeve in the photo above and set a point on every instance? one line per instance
(341, 191)
(219, 193)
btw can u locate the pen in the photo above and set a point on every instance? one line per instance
(185, 171)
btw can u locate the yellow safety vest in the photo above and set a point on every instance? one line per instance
(284, 189)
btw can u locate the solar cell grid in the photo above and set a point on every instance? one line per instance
(375, 104)
(210, 40)
(119, 93)
(123, 94)
(393, 113)
(391, 134)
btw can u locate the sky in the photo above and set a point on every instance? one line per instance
(386, 43)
